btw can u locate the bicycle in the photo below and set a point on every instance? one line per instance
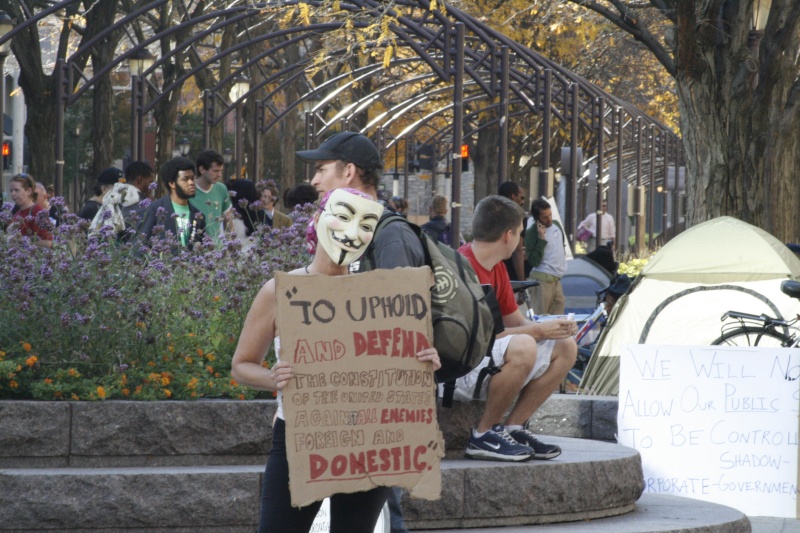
(761, 330)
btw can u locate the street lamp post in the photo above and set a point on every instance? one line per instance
(241, 86)
(6, 25)
(138, 63)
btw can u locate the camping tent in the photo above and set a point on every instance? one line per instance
(717, 266)
(581, 282)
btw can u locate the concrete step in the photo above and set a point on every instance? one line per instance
(652, 513)
(589, 480)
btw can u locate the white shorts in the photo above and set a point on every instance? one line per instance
(465, 386)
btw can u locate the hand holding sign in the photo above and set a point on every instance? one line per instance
(360, 408)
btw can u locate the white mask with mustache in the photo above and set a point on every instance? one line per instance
(346, 225)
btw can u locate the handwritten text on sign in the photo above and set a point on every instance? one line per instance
(361, 409)
(714, 423)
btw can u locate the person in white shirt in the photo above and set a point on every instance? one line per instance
(608, 229)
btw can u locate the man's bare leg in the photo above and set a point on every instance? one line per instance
(505, 386)
(535, 393)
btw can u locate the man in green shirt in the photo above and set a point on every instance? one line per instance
(174, 212)
(211, 197)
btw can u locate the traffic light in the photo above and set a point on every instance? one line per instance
(464, 157)
(6, 155)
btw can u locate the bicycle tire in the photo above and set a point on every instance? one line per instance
(753, 336)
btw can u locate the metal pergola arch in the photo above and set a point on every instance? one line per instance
(431, 35)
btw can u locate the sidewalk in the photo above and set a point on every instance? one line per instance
(766, 524)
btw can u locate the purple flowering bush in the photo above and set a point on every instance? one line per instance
(99, 316)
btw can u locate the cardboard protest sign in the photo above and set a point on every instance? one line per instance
(361, 409)
(714, 423)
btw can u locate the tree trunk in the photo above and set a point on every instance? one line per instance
(740, 128)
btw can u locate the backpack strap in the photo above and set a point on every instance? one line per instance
(368, 259)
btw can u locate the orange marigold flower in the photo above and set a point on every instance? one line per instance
(211, 357)
(151, 363)
(217, 298)
(25, 346)
(124, 379)
(13, 384)
(126, 392)
(48, 381)
(192, 383)
(241, 396)
(164, 381)
(72, 372)
(30, 361)
(190, 335)
(193, 395)
(168, 393)
(154, 377)
(101, 392)
(199, 352)
(233, 383)
(19, 367)
(75, 397)
(138, 389)
(170, 348)
(57, 394)
(141, 325)
(210, 369)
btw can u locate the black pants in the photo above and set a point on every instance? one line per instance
(350, 513)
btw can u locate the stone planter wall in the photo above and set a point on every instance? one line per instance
(185, 466)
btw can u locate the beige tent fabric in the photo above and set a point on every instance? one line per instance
(720, 265)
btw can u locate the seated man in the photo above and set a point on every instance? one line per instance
(533, 357)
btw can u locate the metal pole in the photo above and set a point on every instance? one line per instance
(676, 188)
(61, 80)
(458, 134)
(258, 123)
(665, 188)
(601, 107)
(573, 166)
(405, 168)
(140, 113)
(208, 113)
(502, 170)
(618, 208)
(307, 143)
(239, 139)
(637, 199)
(651, 197)
(2, 117)
(134, 119)
(544, 169)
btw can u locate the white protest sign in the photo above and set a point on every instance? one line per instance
(714, 423)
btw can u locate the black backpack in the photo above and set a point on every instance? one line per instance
(465, 314)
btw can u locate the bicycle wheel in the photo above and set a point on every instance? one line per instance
(753, 336)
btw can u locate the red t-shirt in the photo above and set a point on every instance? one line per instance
(26, 218)
(497, 278)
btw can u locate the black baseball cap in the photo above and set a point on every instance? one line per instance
(110, 176)
(346, 146)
